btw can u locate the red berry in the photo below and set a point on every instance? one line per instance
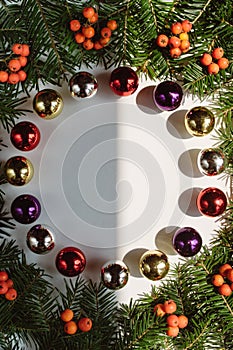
(229, 275)
(169, 306)
(11, 294)
(176, 28)
(13, 78)
(97, 45)
(172, 321)
(23, 60)
(223, 269)
(70, 327)
(106, 32)
(94, 18)
(3, 287)
(174, 41)
(175, 52)
(3, 76)
(172, 331)
(67, 315)
(104, 41)
(88, 44)
(85, 324)
(112, 24)
(79, 38)
(184, 45)
(88, 12)
(206, 59)
(9, 283)
(75, 25)
(186, 26)
(213, 68)
(159, 310)
(3, 276)
(25, 50)
(225, 290)
(223, 63)
(88, 31)
(22, 75)
(217, 53)
(14, 65)
(217, 280)
(162, 40)
(17, 49)
(182, 321)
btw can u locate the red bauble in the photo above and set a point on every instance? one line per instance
(123, 81)
(211, 202)
(25, 136)
(70, 261)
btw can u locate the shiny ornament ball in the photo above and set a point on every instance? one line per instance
(154, 265)
(25, 209)
(199, 121)
(70, 261)
(114, 275)
(187, 241)
(123, 81)
(168, 95)
(40, 239)
(25, 136)
(48, 104)
(83, 85)
(211, 161)
(211, 202)
(18, 170)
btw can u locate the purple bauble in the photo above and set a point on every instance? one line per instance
(187, 241)
(70, 261)
(168, 95)
(25, 209)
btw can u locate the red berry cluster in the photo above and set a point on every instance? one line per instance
(88, 34)
(223, 280)
(214, 61)
(6, 286)
(174, 322)
(178, 42)
(84, 324)
(14, 74)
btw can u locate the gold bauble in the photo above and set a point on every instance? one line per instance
(18, 171)
(199, 121)
(154, 265)
(48, 104)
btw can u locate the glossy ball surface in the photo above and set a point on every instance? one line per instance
(211, 161)
(199, 121)
(70, 261)
(48, 104)
(154, 265)
(18, 170)
(123, 81)
(83, 85)
(168, 95)
(25, 209)
(211, 202)
(114, 275)
(40, 239)
(187, 241)
(25, 136)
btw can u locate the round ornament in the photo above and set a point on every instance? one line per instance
(211, 202)
(154, 265)
(25, 136)
(83, 85)
(70, 261)
(123, 81)
(114, 275)
(168, 95)
(40, 239)
(211, 161)
(199, 121)
(25, 209)
(18, 170)
(48, 104)
(187, 241)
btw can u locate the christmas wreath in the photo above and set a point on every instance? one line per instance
(43, 41)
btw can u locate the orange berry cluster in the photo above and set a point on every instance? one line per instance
(14, 73)
(84, 324)
(214, 61)
(6, 286)
(179, 42)
(223, 280)
(87, 35)
(174, 322)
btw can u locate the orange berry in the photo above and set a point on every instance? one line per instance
(182, 321)
(231, 286)
(17, 49)
(3, 287)
(88, 12)
(25, 50)
(22, 75)
(79, 38)
(85, 324)
(169, 306)
(3, 276)
(213, 68)
(217, 53)
(106, 32)
(112, 24)
(176, 28)
(184, 36)
(217, 280)
(104, 41)
(174, 41)
(70, 327)
(9, 283)
(175, 52)
(172, 331)
(23, 60)
(14, 65)
(223, 63)
(94, 18)
(223, 269)
(11, 294)
(206, 59)
(13, 78)
(229, 275)
(88, 31)
(88, 44)
(67, 315)
(3, 78)
(172, 320)
(97, 45)
(75, 25)
(186, 25)
(162, 40)
(184, 45)
(225, 290)
(159, 310)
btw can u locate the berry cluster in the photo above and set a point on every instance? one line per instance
(174, 322)
(88, 34)
(223, 280)
(179, 42)
(84, 324)
(6, 286)
(214, 61)
(14, 72)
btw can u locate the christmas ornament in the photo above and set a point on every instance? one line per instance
(25, 209)
(211, 202)
(25, 136)
(187, 241)
(48, 104)
(199, 121)
(154, 265)
(211, 161)
(18, 170)
(83, 85)
(40, 239)
(168, 95)
(70, 261)
(123, 81)
(114, 275)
